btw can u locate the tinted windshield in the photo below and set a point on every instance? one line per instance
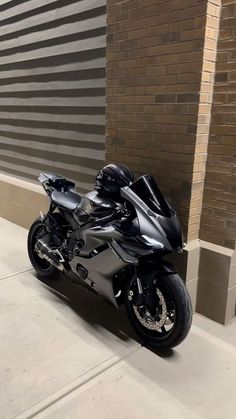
(146, 189)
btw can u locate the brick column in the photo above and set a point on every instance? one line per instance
(217, 273)
(204, 116)
(160, 65)
(160, 72)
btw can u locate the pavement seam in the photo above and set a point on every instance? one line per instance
(213, 339)
(89, 376)
(14, 274)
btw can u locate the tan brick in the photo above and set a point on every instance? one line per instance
(212, 33)
(213, 10)
(209, 55)
(210, 44)
(208, 66)
(217, 2)
(206, 87)
(212, 22)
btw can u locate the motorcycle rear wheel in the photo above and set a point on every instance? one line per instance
(43, 268)
(174, 308)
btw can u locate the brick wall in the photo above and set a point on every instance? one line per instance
(218, 224)
(158, 98)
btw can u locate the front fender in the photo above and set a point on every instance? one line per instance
(165, 267)
(151, 268)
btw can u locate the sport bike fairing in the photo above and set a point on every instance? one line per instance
(158, 230)
(113, 240)
(158, 222)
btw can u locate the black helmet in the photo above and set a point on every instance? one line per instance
(112, 177)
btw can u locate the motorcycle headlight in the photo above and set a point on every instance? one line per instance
(152, 242)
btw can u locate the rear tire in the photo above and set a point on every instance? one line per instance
(43, 268)
(172, 285)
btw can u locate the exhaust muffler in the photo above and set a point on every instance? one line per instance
(52, 256)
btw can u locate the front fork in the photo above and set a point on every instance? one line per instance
(145, 295)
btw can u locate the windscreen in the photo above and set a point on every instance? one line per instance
(146, 189)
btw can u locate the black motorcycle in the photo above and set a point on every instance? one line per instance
(113, 239)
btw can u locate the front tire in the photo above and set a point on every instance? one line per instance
(43, 268)
(174, 303)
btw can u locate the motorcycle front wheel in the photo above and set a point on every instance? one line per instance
(166, 323)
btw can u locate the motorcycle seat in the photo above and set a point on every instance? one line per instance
(67, 200)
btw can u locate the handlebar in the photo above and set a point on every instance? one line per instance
(117, 214)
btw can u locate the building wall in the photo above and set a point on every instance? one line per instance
(216, 296)
(52, 88)
(218, 223)
(161, 58)
(160, 68)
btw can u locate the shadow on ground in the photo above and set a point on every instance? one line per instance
(96, 311)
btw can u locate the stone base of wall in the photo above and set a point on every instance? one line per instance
(208, 270)
(187, 265)
(21, 201)
(216, 296)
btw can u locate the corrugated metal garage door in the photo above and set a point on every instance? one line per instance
(52, 88)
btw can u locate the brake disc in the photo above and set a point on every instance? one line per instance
(150, 322)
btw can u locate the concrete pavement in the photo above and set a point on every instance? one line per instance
(65, 353)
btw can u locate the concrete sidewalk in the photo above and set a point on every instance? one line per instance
(65, 353)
